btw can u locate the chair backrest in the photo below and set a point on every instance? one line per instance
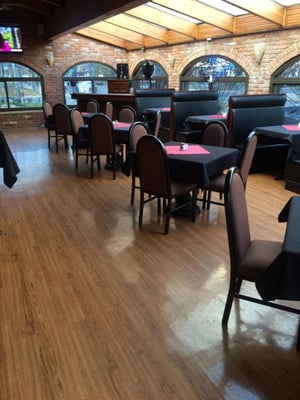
(237, 222)
(92, 106)
(127, 114)
(76, 120)
(214, 134)
(101, 134)
(247, 156)
(246, 112)
(152, 161)
(157, 124)
(47, 108)
(137, 130)
(62, 119)
(109, 109)
(187, 103)
(147, 98)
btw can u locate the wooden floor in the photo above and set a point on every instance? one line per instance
(95, 308)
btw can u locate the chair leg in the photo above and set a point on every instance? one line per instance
(229, 301)
(56, 143)
(208, 199)
(141, 207)
(132, 187)
(194, 203)
(92, 166)
(204, 199)
(114, 165)
(168, 216)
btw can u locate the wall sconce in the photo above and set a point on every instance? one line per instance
(259, 52)
(50, 58)
(171, 60)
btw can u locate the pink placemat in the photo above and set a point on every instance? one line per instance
(291, 127)
(166, 109)
(192, 149)
(218, 115)
(122, 124)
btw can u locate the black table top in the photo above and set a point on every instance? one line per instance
(202, 119)
(199, 168)
(282, 278)
(291, 133)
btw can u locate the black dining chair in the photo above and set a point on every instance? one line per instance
(249, 258)
(127, 114)
(101, 140)
(49, 121)
(217, 184)
(81, 144)
(92, 106)
(137, 130)
(152, 161)
(62, 123)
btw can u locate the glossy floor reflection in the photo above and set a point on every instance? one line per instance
(95, 307)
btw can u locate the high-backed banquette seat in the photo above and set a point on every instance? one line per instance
(245, 113)
(188, 103)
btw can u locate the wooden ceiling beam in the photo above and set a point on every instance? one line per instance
(266, 9)
(159, 18)
(202, 12)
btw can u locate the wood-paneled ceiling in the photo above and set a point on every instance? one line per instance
(133, 25)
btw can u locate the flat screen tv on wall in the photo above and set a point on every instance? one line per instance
(10, 38)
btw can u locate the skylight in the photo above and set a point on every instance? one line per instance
(224, 6)
(174, 13)
(287, 2)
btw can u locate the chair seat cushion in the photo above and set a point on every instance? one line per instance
(258, 257)
(217, 184)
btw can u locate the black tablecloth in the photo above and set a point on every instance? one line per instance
(282, 279)
(199, 168)
(8, 163)
(290, 133)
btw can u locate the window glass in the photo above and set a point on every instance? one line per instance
(215, 72)
(286, 80)
(20, 87)
(87, 77)
(158, 78)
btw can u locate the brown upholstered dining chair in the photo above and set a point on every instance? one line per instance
(214, 134)
(62, 123)
(102, 142)
(109, 109)
(249, 258)
(92, 106)
(49, 121)
(157, 124)
(137, 130)
(152, 161)
(217, 184)
(127, 114)
(81, 144)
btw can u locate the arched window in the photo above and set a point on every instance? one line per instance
(287, 80)
(20, 87)
(215, 72)
(87, 77)
(158, 79)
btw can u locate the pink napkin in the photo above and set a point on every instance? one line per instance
(192, 149)
(291, 127)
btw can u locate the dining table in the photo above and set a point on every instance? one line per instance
(149, 115)
(120, 129)
(287, 132)
(198, 121)
(281, 280)
(194, 163)
(8, 163)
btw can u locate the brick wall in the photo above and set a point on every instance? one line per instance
(277, 48)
